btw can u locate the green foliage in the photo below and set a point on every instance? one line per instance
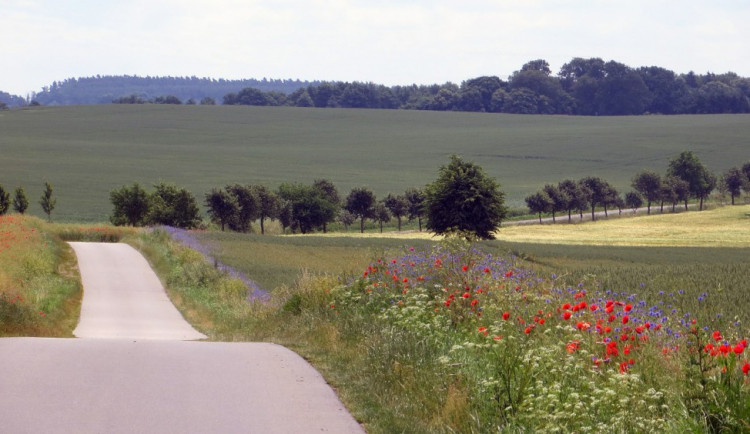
(173, 206)
(539, 202)
(464, 199)
(131, 205)
(689, 168)
(222, 207)
(361, 203)
(415, 198)
(734, 180)
(306, 207)
(268, 205)
(648, 183)
(633, 200)
(398, 207)
(48, 202)
(4, 201)
(20, 201)
(248, 207)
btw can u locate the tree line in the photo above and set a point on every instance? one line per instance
(686, 177)
(20, 201)
(581, 87)
(103, 89)
(462, 200)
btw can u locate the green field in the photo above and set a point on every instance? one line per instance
(87, 151)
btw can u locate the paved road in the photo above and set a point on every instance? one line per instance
(125, 374)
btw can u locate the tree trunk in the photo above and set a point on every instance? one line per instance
(399, 223)
(732, 199)
(686, 205)
(419, 219)
(648, 208)
(700, 208)
(661, 210)
(361, 225)
(605, 211)
(262, 229)
(553, 217)
(540, 218)
(593, 217)
(569, 218)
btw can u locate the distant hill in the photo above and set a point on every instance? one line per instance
(105, 89)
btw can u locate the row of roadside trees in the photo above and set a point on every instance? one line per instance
(686, 178)
(462, 200)
(20, 201)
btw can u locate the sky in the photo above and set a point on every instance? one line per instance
(386, 42)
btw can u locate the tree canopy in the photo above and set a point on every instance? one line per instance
(464, 200)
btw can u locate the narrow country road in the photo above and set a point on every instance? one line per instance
(132, 369)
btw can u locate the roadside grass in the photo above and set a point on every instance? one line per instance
(404, 361)
(87, 151)
(40, 290)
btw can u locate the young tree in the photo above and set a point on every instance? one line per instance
(381, 214)
(398, 206)
(269, 205)
(222, 207)
(361, 203)
(248, 208)
(4, 201)
(733, 181)
(47, 201)
(20, 202)
(539, 202)
(464, 200)
(633, 200)
(648, 184)
(415, 197)
(610, 197)
(559, 199)
(346, 218)
(131, 205)
(707, 185)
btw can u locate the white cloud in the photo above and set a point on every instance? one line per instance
(391, 41)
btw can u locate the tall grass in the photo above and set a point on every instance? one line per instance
(40, 290)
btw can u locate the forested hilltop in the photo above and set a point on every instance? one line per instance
(106, 89)
(582, 87)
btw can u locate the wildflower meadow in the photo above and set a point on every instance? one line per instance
(534, 354)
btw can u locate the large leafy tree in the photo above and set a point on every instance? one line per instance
(20, 202)
(306, 207)
(689, 168)
(381, 214)
(464, 200)
(674, 190)
(648, 184)
(361, 203)
(633, 200)
(131, 205)
(599, 192)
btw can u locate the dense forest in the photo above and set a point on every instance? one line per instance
(582, 87)
(106, 89)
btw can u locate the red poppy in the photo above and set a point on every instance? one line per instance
(738, 349)
(506, 315)
(466, 295)
(746, 368)
(566, 315)
(625, 319)
(486, 270)
(527, 330)
(465, 267)
(509, 273)
(628, 308)
(716, 335)
(474, 302)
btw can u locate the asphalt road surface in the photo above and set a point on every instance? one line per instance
(132, 369)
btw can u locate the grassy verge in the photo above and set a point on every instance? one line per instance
(40, 290)
(414, 347)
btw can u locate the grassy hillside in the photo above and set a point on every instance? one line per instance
(87, 151)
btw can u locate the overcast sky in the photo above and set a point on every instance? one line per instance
(387, 41)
